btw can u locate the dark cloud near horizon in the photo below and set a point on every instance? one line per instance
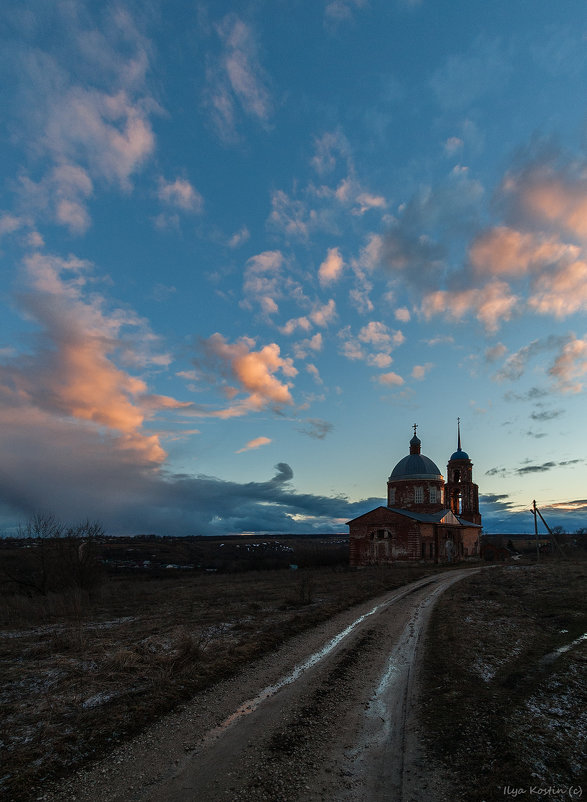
(546, 466)
(130, 499)
(493, 503)
(496, 472)
(492, 498)
(531, 468)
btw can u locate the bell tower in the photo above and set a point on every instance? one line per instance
(461, 493)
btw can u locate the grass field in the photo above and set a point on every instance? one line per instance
(81, 672)
(84, 669)
(504, 708)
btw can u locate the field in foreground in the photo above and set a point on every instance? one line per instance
(82, 674)
(504, 698)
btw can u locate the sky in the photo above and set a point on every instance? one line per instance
(244, 247)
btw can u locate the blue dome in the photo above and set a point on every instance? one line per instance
(460, 454)
(415, 466)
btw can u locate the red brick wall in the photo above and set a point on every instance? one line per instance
(404, 495)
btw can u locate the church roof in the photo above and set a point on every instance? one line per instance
(416, 466)
(445, 517)
(440, 517)
(460, 454)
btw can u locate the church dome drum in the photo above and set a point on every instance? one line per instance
(415, 466)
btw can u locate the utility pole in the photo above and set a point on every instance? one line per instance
(553, 539)
(536, 530)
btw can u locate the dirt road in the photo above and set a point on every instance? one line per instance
(327, 717)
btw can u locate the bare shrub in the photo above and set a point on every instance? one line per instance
(186, 648)
(121, 660)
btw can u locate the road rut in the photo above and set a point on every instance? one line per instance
(327, 717)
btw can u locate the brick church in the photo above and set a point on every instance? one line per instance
(425, 518)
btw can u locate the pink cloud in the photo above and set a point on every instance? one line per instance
(90, 135)
(236, 79)
(331, 268)
(380, 360)
(330, 148)
(492, 304)
(182, 194)
(257, 442)
(253, 371)
(495, 352)
(506, 251)
(419, 371)
(367, 201)
(570, 365)
(375, 333)
(264, 281)
(72, 374)
(9, 223)
(550, 194)
(314, 343)
(323, 314)
(562, 291)
(390, 379)
(290, 216)
(293, 324)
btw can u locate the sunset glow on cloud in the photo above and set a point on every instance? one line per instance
(322, 222)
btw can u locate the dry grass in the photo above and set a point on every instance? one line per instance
(497, 714)
(83, 672)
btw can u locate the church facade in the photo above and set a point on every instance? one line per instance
(425, 518)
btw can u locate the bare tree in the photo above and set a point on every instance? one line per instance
(55, 557)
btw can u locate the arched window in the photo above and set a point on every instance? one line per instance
(433, 494)
(391, 495)
(418, 495)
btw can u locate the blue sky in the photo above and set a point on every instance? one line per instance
(246, 246)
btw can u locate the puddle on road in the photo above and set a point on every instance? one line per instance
(552, 656)
(252, 704)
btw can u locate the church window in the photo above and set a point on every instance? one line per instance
(418, 495)
(380, 534)
(392, 495)
(432, 494)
